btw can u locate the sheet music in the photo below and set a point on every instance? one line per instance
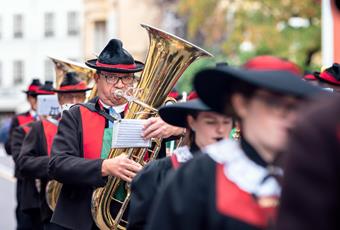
(48, 105)
(126, 133)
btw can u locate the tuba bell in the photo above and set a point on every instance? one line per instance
(167, 59)
(62, 66)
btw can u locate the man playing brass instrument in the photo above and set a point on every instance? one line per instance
(80, 148)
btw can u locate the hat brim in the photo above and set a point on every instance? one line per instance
(30, 93)
(72, 91)
(176, 114)
(213, 85)
(92, 63)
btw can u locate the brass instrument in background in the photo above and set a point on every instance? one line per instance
(167, 59)
(62, 66)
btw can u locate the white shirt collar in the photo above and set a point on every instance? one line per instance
(33, 113)
(245, 173)
(117, 108)
(183, 154)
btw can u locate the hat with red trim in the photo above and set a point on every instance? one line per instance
(330, 75)
(33, 87)
(46, 89)
(72, 84)
(114, 58)
(267, 62)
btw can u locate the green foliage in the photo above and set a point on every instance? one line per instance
(185, 82)
(226, 24)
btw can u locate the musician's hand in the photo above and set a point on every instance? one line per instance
(155, 127)
(121, 167)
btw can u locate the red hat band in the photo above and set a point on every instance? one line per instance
(329, 78)
(80, 86)
(117, 66)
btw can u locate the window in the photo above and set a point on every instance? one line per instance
(0, 27)
(72, 23)
(49, 24)
(18, 26)
(49, 70)
(0, 73)
(99, 36)
(18, 72)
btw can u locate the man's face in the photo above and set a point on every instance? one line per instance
(32, 100)
(108, 83)
(267, 118)
(71, 98)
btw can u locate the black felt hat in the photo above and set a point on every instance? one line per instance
(33, 87)
(330, 75)
(212, 85)
(176, 114)
(72, 84)
(114, 58)
(46, 89)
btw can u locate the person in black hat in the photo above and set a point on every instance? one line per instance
(34, 156)
(237, 187)
(19, 127)
(310, 189)
(78, 155)
(203, 127)
(26, 117)
(328, 79)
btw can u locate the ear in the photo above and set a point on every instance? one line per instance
(191, 122)
(240, 104)
(96, 77)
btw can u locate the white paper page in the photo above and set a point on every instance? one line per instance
(127, 134)
(48, 105)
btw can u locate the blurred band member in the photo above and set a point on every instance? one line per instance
(35, 152)
(203, 127)
(27, 210)
(237, 186)
(310, 195)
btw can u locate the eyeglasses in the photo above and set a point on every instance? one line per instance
(114, 78)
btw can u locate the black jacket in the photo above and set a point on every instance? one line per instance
(29, 198)
(33, 163)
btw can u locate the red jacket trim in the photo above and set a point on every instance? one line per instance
(93, 126)
(23, 119)
(233, 202)
(50, 130)
(26, 128)
(174, 161)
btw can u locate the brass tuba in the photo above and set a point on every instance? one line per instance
(62, 66)
(167, 59)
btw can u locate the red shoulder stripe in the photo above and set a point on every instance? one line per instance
(236, 203)
(23, 119)
(50, 131)
(174, 161)
(93, 126)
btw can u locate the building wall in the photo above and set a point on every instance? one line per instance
(123, 19)
(34, 47)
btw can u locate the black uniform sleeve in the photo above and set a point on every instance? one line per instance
(33, 158)
(144, 187)
(310, 196)
(18, 136)
(67, 164)
(8, 143)
(180, 203)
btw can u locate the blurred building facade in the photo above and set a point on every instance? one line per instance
(31, 30)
